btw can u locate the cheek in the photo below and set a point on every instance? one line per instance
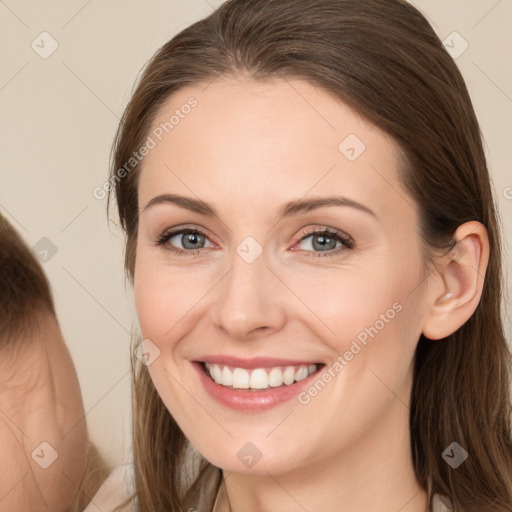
(349, 304)
(371, 324)
(149, 295)
(167, 300)
(153, 300)
(161, 314)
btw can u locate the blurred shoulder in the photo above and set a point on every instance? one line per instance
(116, 489)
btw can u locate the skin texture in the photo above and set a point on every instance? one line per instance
(247, 148)
(40, 402)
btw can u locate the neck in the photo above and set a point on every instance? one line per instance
(373, 473)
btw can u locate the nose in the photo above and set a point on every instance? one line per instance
(249, 301)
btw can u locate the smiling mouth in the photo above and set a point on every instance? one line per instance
(258, 378)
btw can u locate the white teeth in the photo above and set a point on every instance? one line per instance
(217, 374)
(289, 375)
(301, 374)
(227, 377)
(259, 378)
(240, 378)
(275, 377)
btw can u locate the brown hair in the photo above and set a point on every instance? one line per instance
(384, 60)
(24, 288)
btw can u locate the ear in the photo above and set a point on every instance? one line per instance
(458, 289)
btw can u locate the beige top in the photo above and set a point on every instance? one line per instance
(119, 486)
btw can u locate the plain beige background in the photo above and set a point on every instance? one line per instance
(59, 114)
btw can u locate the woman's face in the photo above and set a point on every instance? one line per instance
(309, 334)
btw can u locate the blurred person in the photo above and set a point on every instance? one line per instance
(47, 461)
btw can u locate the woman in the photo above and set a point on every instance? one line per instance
(316, 261)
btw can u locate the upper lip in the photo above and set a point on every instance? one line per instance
(253, 362)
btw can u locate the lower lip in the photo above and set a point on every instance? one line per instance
(251, 400)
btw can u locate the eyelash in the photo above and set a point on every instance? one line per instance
(347, 241)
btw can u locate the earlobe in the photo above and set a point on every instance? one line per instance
(461, 273)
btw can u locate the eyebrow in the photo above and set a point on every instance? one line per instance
(287, 210)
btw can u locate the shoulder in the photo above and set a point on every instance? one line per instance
(118, 487)
(441, 504)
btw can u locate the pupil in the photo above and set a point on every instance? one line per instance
(192, 238)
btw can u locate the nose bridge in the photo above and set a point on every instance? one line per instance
(248, 297)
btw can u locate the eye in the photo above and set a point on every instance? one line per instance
(191, 239)
(324, 242)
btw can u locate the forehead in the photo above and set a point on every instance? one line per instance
(277, 139)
